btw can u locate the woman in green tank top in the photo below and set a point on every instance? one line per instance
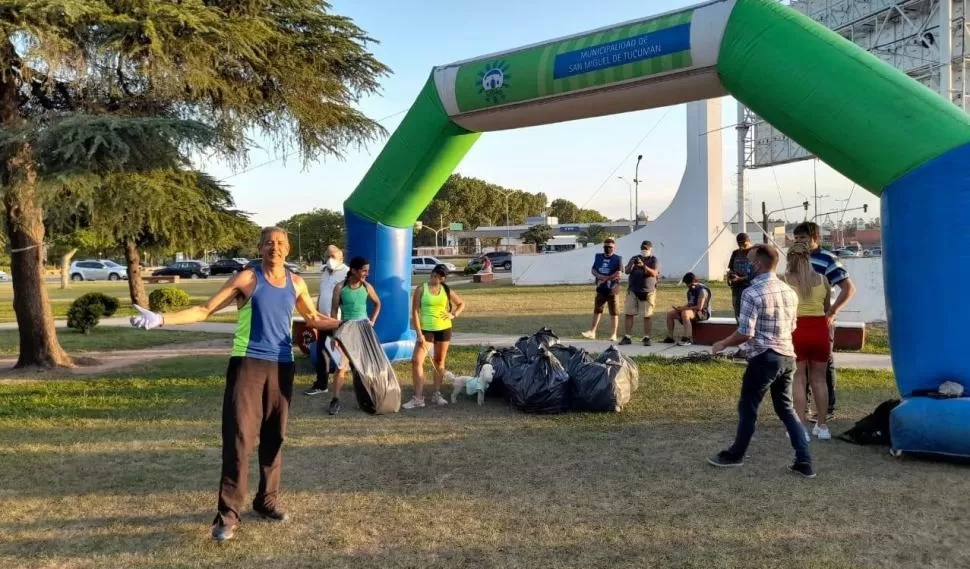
(433, 308)
(350, 302)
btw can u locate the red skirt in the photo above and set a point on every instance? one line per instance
(812, 340)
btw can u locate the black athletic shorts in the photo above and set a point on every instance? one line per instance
(437, 335)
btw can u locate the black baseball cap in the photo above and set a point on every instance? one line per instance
(441, 269)
(646, 245)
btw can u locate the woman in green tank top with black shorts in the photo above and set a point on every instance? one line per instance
(433, 307)
(350, 302)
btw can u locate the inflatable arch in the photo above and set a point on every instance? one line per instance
(872, 123)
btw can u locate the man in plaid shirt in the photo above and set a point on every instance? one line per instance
(769, 310)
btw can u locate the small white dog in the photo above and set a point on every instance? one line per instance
(472, 385)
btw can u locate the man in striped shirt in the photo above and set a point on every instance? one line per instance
(769, 309)
(828, 265)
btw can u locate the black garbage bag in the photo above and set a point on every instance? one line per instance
(599, 387)
(873, 429)
(570, 357)
(505, 362)
(375, 383)
(630, 368)
(529, 345)
(543, 387)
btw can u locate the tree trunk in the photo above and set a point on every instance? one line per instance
(66, 267)
(25, 231)
(136, 287)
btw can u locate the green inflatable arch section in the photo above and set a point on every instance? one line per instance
(859, 115)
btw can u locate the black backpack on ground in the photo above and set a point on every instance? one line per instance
(872, 429)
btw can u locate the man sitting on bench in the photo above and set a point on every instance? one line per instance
(697, 309)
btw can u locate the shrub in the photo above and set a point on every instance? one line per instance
(168, 299)
(86, 310)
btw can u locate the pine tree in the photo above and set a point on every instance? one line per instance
(88, 88)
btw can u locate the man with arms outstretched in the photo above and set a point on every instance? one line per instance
(259, 380)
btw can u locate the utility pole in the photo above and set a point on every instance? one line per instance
(764, 222)
(636, 186)
(742, 129)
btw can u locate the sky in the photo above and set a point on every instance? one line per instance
(578, 161)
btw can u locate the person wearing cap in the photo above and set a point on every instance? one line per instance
(739, 272)
(607, 270)
(641, 294)
(433, 308)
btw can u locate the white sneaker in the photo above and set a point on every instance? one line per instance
(414, 403)
(589, 335)
(613, 338)
(438, 399)
(823, 433)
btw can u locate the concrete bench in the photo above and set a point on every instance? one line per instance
(848, 335)
(483, 277)
(164, 279)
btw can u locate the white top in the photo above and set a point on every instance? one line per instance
(328, 281)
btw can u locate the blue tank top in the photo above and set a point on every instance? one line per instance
(263, 331)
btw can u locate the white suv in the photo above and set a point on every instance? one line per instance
(95, 270)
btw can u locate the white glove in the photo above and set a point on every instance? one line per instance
(146, 318)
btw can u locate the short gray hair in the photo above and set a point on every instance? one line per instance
(267, 231)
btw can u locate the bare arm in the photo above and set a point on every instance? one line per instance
(233, 287)
(629, 266)
(416, 313)
(372, 294)
(335, 303)
(308, 309)
(457, 303)
(735, 339)
(846, 292)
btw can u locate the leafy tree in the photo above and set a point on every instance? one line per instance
(590, 216)
(593, 234)
(112, 84)
(537, 234)
(564, 210)
(312, 232)
(474, 203)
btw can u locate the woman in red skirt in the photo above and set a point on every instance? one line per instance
(812, 336)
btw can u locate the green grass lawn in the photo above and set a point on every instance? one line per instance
(104, 338)
(121, 471)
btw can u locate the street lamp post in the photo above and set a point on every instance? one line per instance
(299, 240)
(765, 213)
(508, 228)
(636, 186)
(629, 187)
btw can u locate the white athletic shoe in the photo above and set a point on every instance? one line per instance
(438, 399)
(823, 433)
(414, 403)
(613, 338)
(589, 335)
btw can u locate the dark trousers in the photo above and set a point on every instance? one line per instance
(736, 300)
(774, 372)
(256, 404)
(324, 364)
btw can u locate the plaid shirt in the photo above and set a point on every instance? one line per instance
(769, 309)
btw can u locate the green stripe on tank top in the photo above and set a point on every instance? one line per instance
(244, 326)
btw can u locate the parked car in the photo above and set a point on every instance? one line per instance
(185, 270)
(227, 266)
(874, 252)
(4, 276)
(500, 259)
(97, 270)
(427, 264)
(293, 267)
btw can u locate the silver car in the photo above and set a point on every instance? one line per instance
(97, 270)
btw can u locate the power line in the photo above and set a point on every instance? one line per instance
(625, 158)
(288, 154)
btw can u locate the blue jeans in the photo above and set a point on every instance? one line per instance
(773, 371)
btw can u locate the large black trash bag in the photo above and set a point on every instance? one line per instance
(375, 383)
(570, 357)
(873, 429)
(529, 345)
(599, 387)
(505, 362)
(543, 387)
(630, 368)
